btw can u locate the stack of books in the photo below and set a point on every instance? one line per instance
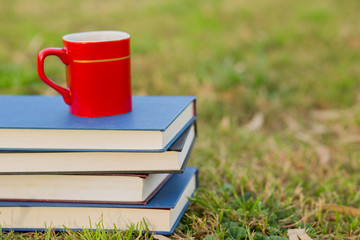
(59, 170)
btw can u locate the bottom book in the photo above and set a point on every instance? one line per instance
(161, 214)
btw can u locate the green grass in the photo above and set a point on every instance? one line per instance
(137, 231)
(295, 65)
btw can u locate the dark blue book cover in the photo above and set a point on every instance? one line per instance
(166, 198)
(159, 114)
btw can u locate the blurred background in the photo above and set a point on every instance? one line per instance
(277, 82)
(252, 54)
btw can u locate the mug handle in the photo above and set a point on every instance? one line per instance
(62, 54)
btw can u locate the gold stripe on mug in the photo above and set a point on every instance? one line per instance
(102, 60)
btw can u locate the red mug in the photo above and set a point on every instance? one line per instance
(97, 72)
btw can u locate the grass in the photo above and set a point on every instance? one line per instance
(137, 231)
(277, 86)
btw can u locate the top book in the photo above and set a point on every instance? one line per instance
(45, 123)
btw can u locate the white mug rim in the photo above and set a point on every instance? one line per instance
(96, 36)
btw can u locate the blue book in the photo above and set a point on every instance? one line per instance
(100, 162)
(161, 214)
(44, 122)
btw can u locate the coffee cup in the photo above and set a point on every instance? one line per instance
(97, 72)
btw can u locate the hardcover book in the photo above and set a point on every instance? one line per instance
(44, 122)
(103, 162)
(161, 214)
(115, 188)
